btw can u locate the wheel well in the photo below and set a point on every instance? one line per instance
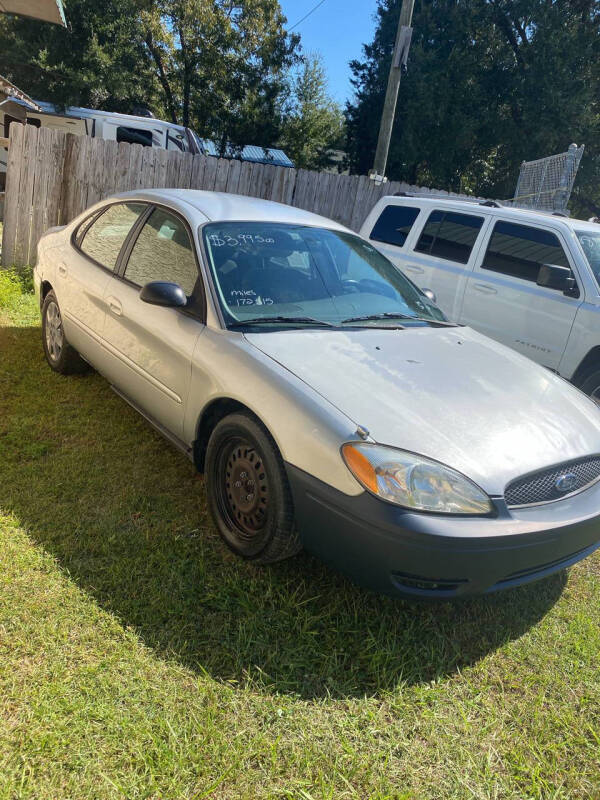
(211, 416)
(592, 359)
(45, 287)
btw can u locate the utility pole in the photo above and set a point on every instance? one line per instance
(398, 65)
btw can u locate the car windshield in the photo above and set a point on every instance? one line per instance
(308, 276)
(590, 241)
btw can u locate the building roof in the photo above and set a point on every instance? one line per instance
(249, 152)
(46, 10)
(14, 93)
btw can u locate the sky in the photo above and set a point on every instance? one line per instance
(337, 29)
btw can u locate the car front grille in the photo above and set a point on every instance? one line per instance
(544, 486)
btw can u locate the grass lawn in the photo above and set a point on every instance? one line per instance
(140, 659)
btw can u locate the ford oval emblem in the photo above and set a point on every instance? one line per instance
(566, 483)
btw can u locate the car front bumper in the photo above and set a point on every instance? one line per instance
(395, 551)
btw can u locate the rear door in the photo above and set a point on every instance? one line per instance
(84, 267)
(445, 252)
(503, 300)
(152, 346)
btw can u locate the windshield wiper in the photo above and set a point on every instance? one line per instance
(372, 317)
(293, 320)
(393, 315)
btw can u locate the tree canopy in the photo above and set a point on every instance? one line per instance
(220, 66)
(490, 83)
(313, 123)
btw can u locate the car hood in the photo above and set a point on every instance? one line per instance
(450, 394)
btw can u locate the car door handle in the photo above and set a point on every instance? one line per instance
(412, 268)
(115, 306)
(484, 288)
(62, 270)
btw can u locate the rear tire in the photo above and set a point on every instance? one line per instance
(248, 492)
(59, 354)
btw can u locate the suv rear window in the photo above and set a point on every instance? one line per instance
(394, 224)
(520, 250)
(449, 235)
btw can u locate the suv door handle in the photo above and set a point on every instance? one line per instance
(115, 306)
(484, 288)
(62, 270)
(412, 268)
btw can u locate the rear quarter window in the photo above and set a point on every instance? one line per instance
(394, 225)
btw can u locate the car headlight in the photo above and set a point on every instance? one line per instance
(414, 481)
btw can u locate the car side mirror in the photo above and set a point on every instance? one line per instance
(430, 294)
(163, 293)
(553, 276)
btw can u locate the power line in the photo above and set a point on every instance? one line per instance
(312, 11)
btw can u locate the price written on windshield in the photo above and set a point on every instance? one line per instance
(239, 241)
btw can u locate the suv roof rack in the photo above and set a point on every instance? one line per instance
(428, 196)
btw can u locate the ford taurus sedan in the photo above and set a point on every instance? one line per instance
(327, 400)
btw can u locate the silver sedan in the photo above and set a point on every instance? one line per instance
(326, 398)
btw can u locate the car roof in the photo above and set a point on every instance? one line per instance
(496, 207)
(224, 207)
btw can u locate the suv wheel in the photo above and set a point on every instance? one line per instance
(59, 354)
(248, 492)
(590, 384)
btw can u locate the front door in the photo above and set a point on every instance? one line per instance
(152, 346)
(503, 300)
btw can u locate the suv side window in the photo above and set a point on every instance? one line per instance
(520, 250)
(394, 224)
(449, 235)
(163, 251)
(105, 236)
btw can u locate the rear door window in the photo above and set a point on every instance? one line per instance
(520, 251)
(394, 225)
(449, 235)
(105, 237)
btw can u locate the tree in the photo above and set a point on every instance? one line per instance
(99, 61)
(219, 66)
(314, 123)
(222, 65)
(490, 83)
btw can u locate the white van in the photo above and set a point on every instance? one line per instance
(145, 130)
(529, 279)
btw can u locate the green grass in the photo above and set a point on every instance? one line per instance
(140, 659)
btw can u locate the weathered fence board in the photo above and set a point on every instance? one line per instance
(52, 177)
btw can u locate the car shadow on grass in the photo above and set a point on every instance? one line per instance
(125, 515)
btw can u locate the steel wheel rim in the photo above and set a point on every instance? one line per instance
(243, 492)
(54, 331)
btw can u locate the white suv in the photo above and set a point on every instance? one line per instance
(529, 279)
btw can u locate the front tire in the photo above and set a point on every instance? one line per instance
(248, 492)
(590, 384)
(60, 355)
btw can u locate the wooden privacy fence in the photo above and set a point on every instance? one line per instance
(52, 177)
